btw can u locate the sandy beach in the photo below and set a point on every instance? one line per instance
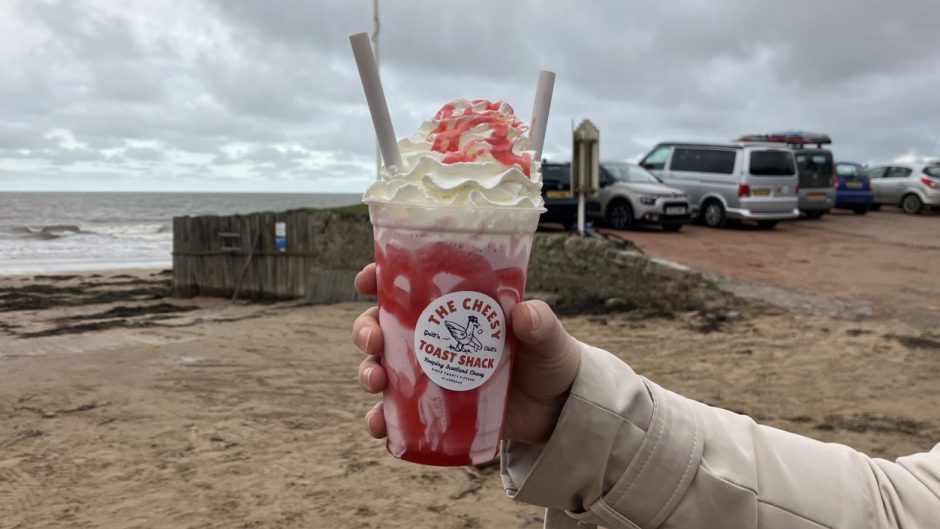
(121, 407)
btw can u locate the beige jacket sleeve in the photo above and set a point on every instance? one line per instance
(628, 454)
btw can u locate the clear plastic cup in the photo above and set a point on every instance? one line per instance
(448, 279)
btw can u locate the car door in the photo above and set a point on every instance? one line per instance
(876, 176)
(703, 171)
(895, 183)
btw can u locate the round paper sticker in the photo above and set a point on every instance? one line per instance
(459, 339)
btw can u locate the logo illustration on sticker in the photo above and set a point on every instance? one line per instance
(459, 339)
(465, 335)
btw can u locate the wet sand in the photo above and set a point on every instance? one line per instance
(121, 408)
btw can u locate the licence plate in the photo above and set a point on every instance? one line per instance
(854, 185)
(760, 192)
(816, 197)
(558, 193)
(675, 210)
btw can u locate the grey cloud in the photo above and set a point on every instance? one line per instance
(144, 154)
(195, 78)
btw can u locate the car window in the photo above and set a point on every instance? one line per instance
(847, 169)
(656, 159)
(814, 162)
(932, 170)
(622, 172)
(703, 160)
(875, 172)
(898, 172)
(771, 163)
(556, 173)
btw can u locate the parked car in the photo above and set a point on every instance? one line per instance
(734, 181)
(817, 174)
(912, 186)
(853, 188)
(631, 195)
(817, 181)
(560, 206)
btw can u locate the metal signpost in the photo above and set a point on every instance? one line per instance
(585, 166)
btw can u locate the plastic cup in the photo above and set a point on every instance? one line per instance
(448, 279)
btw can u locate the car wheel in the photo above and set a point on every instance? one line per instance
(860, 210)
(814, 215)
(874, 207)
(768, 224)
(672, 227)
(620, 215)
(714, 214)
(912, 204)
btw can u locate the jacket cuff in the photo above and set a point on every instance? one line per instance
(622, 453)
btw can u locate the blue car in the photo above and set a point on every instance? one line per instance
(853, 188)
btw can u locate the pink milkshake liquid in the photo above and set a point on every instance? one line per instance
(445, 296)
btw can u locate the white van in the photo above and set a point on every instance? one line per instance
(731, 181)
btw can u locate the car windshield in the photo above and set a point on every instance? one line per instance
(633, 174)
(814, 162)
(845, 169)
(772, 163)
(932, 170)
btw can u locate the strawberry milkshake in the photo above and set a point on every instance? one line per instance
(453, 228)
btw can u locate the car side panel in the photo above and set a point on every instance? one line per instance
(878, 185)
(719, 185)
(895, 187)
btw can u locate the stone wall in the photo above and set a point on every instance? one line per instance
(592, 275)
(574, 274)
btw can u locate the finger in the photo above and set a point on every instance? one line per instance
(366, 333)
(375, 421)
(365, 281)
(372, 376)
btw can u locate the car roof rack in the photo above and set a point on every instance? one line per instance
(794, 138)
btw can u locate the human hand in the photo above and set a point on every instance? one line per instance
(543, 370)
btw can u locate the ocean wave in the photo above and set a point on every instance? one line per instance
(54, 231)
(58, 231)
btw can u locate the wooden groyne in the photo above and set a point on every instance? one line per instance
(239, 255)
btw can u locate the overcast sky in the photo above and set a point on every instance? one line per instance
(239, 95)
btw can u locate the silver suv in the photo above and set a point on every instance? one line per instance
(912, 186)
(631, 195)
(730, 181)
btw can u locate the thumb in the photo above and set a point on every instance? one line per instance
(549, 356)
(534, 324)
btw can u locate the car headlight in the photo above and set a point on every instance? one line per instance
(647, 200)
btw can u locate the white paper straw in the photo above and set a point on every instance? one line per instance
(375, 97)
(543, 101)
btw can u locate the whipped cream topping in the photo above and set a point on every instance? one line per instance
(472, 153)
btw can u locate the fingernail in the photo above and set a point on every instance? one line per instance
(367, 376)
(364, 334)
(533, 316)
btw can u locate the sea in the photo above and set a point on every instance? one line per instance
(63, 232)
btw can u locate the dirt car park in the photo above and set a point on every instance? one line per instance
(883, 265)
